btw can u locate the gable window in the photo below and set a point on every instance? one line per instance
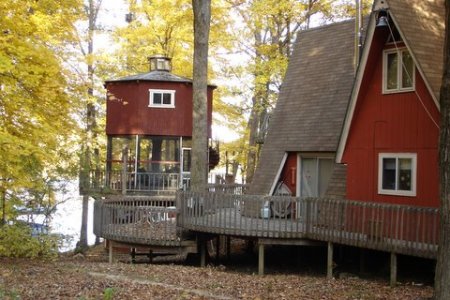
(162, 98)
(397, 174)
(398, 71)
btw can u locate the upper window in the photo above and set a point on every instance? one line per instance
(397, 174)
(398, 71)
(162, 98)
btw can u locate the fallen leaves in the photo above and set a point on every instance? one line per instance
(73, 279)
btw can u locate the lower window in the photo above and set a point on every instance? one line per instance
(397, 174)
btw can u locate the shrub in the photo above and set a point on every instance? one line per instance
(108, 293)
(17, 241)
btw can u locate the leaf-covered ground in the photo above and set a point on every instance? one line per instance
(93, 278)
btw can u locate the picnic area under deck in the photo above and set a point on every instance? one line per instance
(169, 223)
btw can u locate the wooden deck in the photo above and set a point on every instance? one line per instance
(230, 221)
(170, 221)
(138, 220)
(393, 228)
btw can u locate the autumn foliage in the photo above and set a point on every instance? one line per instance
(18, 240)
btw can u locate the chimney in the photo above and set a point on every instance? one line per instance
(160, 63)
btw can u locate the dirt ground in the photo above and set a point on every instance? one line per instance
(91, 277)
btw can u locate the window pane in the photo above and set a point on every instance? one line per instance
(404, 174)
(407, 70)
(117, 146)
(325, 170)
(391, 72)
(388, 174)
(309, 177)
(187, 143)
(156, 98)
(186, 160)
(160, 63)
(145, 154)
(167, 99)
(170, 155)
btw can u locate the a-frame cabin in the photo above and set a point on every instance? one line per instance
(297, 157)
(389, 141)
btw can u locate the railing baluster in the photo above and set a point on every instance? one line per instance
(418, 229)
(435, 222)
(382, 227)
(363, 223)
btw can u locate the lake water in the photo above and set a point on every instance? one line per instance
(67, 221)
(67, 218)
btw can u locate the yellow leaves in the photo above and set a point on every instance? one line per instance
(166, 27)
(35, 106)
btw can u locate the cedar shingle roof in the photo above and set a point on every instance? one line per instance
(422, 24)
(313, 99)
(153, 76)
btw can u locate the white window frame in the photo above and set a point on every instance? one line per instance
(396, 191)
(162, 105)
(399, 88)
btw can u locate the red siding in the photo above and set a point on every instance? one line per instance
(391, 123)
(127, 110)
(289, 173)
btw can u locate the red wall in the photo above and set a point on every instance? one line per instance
(391, 123)
(127, 110)
(289, 173)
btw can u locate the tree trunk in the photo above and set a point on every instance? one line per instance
(91, 124)
(199, 170)
(82, 244)
(252, 147)
(3, 195)
(442, 277)
(257, 105)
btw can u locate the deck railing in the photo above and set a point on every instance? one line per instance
(131, 182)
(116, 182)
(138, 220)
(162, 220)
(396, 228)
(234, 189)
(240, 215)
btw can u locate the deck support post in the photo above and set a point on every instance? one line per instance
(133, 255)
(362, 261)
(393, 280)
(228, 247)
(110, 256)
(202, 253)
(330, 261)
(150, 256)
(218, 249)
(261, 259)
